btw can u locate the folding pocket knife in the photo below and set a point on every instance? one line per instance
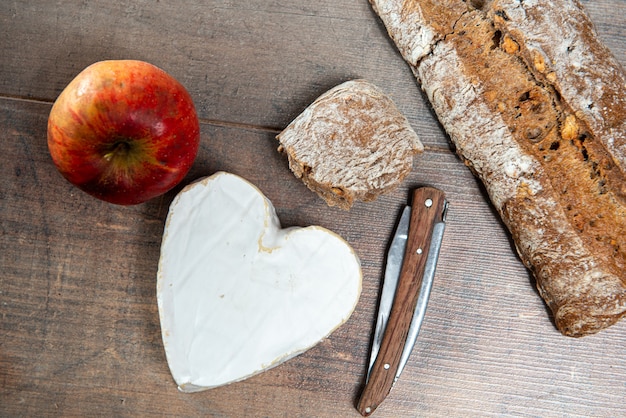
(409, 275)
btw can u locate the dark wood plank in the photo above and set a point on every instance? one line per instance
(252, 62)
(78, 318)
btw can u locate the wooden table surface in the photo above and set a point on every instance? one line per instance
(79, 326)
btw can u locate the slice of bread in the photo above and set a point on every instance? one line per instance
(352, 143)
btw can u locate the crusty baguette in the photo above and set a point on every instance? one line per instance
(535, 106)
(352, 143)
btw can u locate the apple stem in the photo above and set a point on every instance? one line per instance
(119, 148)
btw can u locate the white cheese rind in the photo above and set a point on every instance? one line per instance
(236, 293)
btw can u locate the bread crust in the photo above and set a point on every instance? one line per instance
(351, 143)
(504, 88)
(559, 44)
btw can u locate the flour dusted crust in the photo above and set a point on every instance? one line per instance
(351, 143)
(535, 106)
(560, 45)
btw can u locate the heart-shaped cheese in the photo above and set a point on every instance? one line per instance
(237, 294)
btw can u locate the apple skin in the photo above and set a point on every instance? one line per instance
(123, 131)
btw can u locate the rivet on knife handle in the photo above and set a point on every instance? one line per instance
(428, 209)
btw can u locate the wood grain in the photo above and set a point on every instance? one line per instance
(79, 330)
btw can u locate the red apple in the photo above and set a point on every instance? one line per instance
(123, 131)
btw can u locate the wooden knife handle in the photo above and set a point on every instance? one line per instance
(426, 209)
